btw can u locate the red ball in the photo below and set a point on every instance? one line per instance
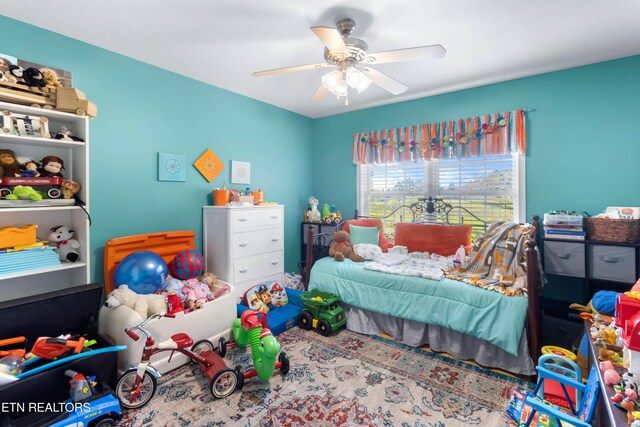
(187, 264)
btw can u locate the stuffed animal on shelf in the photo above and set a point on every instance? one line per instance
(9, 166)
(50, 78)
(65, 134)
(341, 247)
(5, 75)
(69, 188)
(144, 305)
(313, 214)
(24, 192)
(29, 169)
(66, 246)
(17, 73)
(51, 166)
(34, 78)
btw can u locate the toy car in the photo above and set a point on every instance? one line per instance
(321, 311)
(101, 409)
(333, 218)
(50, 187)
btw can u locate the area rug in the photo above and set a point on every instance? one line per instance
(346, 379)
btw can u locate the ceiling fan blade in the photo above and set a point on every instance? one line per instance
(435, 51)
(291, 69)
(385, 82)
(332, 39)
(320, 93)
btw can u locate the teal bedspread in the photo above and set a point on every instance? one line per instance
(465, 308)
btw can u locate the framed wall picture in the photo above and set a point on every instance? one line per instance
(172, 167)
(24, 125)
(240, 172)
(209, 165)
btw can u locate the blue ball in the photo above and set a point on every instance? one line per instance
(143, 271)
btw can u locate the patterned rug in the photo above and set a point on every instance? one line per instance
(347, 379)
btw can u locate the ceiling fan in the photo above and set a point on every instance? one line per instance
(350, 57)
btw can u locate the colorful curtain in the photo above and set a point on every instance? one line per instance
(492, 134)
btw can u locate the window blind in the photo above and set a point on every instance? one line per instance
(491, 188)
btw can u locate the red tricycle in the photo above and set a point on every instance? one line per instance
(138, 384)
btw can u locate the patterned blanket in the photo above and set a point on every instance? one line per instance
(498, 260)
(414, 264)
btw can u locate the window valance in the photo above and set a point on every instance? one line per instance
(492, 134)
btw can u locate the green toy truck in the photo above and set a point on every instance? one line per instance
(321, 311)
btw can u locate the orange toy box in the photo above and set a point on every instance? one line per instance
(10, 237)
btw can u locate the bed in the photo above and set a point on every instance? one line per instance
(468, 322)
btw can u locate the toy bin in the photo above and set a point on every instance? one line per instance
(69, 311)
(211, 322)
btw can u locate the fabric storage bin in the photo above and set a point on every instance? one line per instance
(564, 258)
(615, 263)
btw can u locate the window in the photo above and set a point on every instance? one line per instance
(492, 188)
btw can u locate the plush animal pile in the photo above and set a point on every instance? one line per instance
(341, 248)
(173, 297)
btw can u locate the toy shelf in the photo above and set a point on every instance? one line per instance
(38, 142)
(61, 267)
(39, 208)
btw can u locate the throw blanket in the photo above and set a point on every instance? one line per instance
(409, 266)
(497, 259)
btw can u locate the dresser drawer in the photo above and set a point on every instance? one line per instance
(257, 242)
(246, 219)
(616, 263)
(565, 258)
(256, 266)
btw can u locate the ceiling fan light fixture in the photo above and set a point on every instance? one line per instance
(335, 83)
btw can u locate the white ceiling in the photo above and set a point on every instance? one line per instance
(221, 42)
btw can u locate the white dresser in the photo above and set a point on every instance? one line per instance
(244, 245)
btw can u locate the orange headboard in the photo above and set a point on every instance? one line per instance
(167, 245)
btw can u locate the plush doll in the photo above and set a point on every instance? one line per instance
(67, 246)
(341, 247)
(30, 169)
(313, 214)
(201, 290)
(210, 280)
(144, 305)
(34, 78)
(69, 188)
(171, 284)
(9, 166)
(5, 75)
(65, 134)
(50, 78)
(51, 166)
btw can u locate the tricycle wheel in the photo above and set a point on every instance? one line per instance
(202, 346)
(306, 320)
(147, 389)
(105, 422)
(222, 347)
(223, 383)
(240, 374)
(324, 327)
(284, 359)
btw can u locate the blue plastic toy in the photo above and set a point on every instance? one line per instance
(143, 271)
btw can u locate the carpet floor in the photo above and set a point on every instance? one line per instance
(346, 379)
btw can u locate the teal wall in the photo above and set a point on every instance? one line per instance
(583, 140)
(143, 110)
(583, 149)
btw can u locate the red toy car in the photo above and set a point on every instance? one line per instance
(48, 186)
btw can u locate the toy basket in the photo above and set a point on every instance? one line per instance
(242, 199)
(613, 230)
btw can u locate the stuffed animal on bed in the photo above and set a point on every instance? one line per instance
(341, 248)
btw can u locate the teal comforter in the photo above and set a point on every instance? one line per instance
(465, 308)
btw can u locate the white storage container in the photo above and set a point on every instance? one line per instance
(575, 220)
(211, 322)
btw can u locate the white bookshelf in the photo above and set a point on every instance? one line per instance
(76, 159)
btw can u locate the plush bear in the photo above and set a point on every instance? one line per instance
(9, 166)
(341, 247)
(144, 305)
(34, 77)
(66, 245)
(69, 188)
(16, 73)
(51, 78)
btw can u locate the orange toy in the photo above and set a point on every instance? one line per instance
(20, 352)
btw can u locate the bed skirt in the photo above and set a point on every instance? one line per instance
(439, 339)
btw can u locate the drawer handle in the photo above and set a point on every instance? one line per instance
(612, 259)
(242, 245)
(566, 255)
(242, 219)
(274, 262)
(275, 239)
(243, 270)
(274, 217)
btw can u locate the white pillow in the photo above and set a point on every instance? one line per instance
(367, 251)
